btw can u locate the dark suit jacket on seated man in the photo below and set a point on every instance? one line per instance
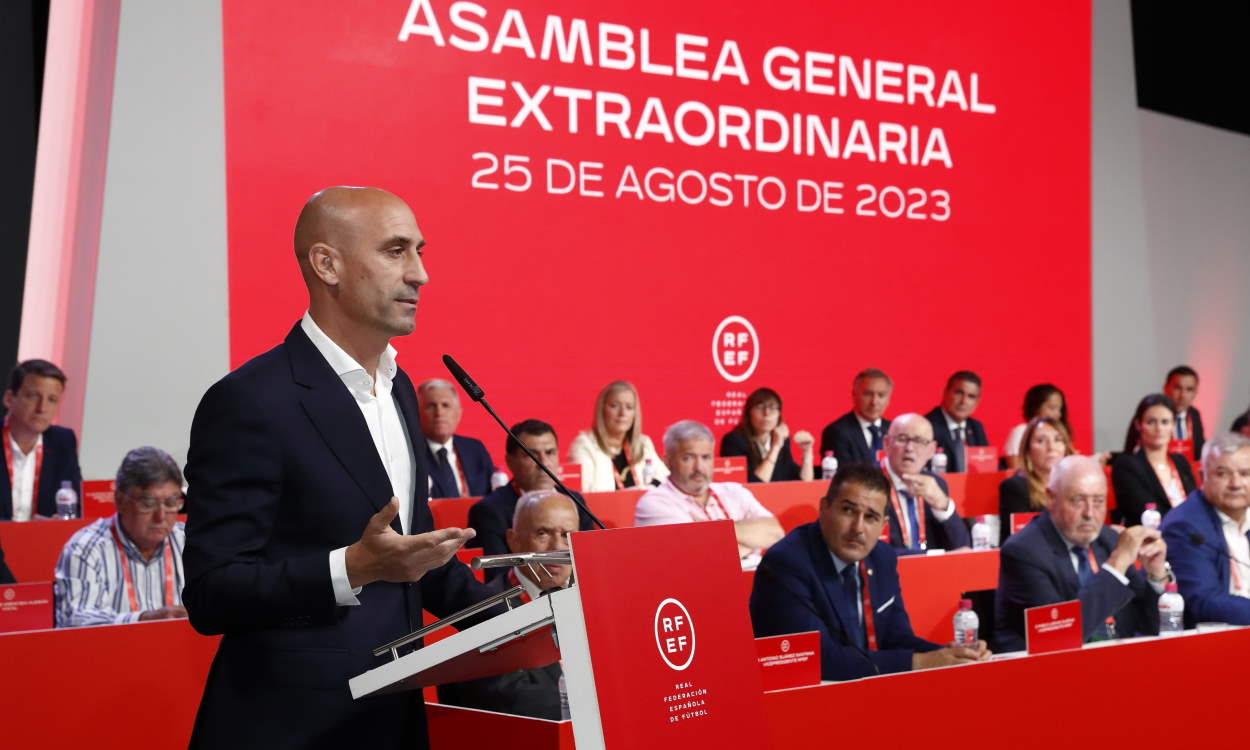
(491, 517)
(1207, 540)
(855, 437)
(815, 579)
(543, 521)
(1049, 561)
(953, 424)
(921, 513)
(459, 466)
(1181, 385)
(309, 538)
(39, 455)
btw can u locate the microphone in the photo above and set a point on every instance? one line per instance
(1198, 540)
(476, 393)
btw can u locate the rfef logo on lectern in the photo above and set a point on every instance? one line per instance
(674, 634)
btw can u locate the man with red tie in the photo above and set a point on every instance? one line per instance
(542, 522)
(833, 577)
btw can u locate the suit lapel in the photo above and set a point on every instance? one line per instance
(830, 583)
(406, 396)
(337, 419)
(1061, 559)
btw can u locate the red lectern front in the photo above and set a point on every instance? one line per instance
(654, 640)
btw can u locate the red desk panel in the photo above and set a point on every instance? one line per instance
(32, 547)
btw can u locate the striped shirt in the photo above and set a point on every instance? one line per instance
(91, 587)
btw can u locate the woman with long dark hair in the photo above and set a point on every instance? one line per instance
(764, 438)
(1145, 472)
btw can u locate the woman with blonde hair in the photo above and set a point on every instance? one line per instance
(1044, 443)
(615, 454)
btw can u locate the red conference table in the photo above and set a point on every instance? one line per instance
(128, 685)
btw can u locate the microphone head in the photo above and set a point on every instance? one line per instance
(1197, 539)
(470, 388)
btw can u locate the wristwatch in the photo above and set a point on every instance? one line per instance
(1167, 575)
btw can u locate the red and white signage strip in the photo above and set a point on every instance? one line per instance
(789, 661)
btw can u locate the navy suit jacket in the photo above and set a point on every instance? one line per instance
(1202, 569)
(844, 437)
(491, 517)
(474, 461)
(949, 534)
(797, 589)
(1035, 568)
(1136, 484)
(282, 470)
(975, 435)
(60, 464)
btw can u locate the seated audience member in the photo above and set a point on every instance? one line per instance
(459, 466)
(815, 579)
(1066, 553)
(128, 567)
(6, 575)
(1206, 536)
(491, 517)
(921, 513)
(38, 454)
(542, 523)
(1182, 387)
(856, 436)
(953, 425)
(1042, 400)
(689, 494)
(614, 454)
(1045, 442)
(764, 439)
(1145, 472)
(1242, 424)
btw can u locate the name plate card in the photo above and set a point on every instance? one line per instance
(1053, 627)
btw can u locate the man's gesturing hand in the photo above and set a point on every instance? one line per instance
(383, 555)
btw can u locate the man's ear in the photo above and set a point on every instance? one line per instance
(326, 263)
(510, 537)
(8, 399)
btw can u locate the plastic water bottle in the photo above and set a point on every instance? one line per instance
(648, 473)
(1171, 611)
(565, 714)
(939, 462)
(828, 466)
(66, 501)
(1151, 517)
(967, 624)
(499, 479)
(982, 534)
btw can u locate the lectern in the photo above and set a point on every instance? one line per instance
(654, 638)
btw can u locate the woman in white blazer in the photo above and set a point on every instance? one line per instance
(615, 455)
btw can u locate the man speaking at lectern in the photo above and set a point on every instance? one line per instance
(309, 538)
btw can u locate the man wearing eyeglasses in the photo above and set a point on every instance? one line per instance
(1066, 553)
(921, 513)
(128, 567)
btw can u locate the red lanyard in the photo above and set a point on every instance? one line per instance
(629, 466)
(714, 504)
(870, 628)
(8, 461)
(1093, 566)
(902, 519)
(129, 581)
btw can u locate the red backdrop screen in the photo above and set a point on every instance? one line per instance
(699, 197)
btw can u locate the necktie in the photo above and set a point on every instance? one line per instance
(876, 440)
(445, 476)
(912, 519)
(957, 460)
(1083, 574)
(850, 594)
(1180, 427)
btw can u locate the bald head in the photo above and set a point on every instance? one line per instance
(359, 251)
(542, 522)
(909, 444)
(1077, 499)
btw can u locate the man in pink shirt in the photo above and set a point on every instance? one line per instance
(689, 494)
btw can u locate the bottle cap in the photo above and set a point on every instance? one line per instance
(965, 604)
(1171, 587)
(1151, 506)
(828, 453)
(65, 484)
